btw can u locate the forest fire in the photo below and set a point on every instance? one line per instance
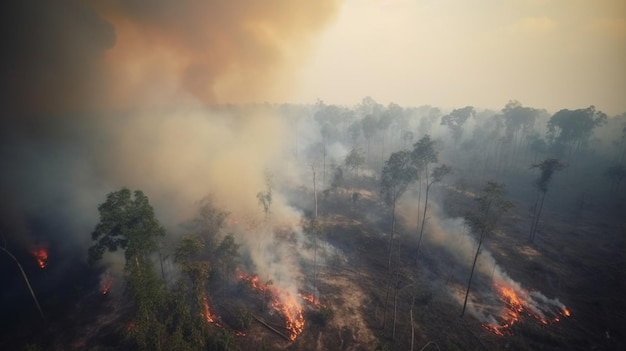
(519, 302)
(206, 312)
(283, 301)
(41, 255)
(311, 299)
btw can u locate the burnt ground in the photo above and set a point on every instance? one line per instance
(577, 258)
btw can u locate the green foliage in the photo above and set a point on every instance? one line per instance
(424, 153)
(398, 172)
(574, 127)
(547, 167)
(244, 318)
(127, 222)
(222, 340)
(490, 206)
(227, 254)
(208, 223)
(455, 121)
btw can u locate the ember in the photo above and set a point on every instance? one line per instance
(521, 302)
(41, 255)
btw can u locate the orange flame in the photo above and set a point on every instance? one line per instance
(518, 303)
(282, 301)
(206, 312)
(41, 255)
(311, 299)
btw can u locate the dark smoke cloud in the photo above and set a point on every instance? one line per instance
(100, 94)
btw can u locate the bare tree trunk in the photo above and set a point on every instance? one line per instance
(393, 228)
(412, 326)
(532, 221)
(469, 283)
(314, 193)
(395, 312)
(538, 216)
(30, 288)
(419, 240)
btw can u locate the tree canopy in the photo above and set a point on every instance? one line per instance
(127, 222)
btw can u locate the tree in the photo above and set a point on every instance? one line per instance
(355, 160)
(490, 207)
(265, 197)
(422, 155)
(547, 167)
(519, 122)
(397, 174)
(571, 129)
(369, 125)
(455, 121)
(127, 222)
(436, 176)
(30, 288)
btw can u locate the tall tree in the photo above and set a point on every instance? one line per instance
(455, 121)
(547, 167)
(398, 173)
(127, 222)
(355, 160)
(422, 155)
(369, 125)
(571, 129)
(436, 176)
(490, 207)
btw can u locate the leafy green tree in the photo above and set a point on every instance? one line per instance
(398, 172)
(422, 155)
(455, 121)
(127, 222)
(519, 122)
(571, 129)
(227, 254)
(490, 207)
(547, 167)
(207, 223)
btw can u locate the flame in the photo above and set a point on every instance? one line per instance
(518, 302)
(206, 312)
(106, 285)
(311, 299)
(41, 255)
(283, 301)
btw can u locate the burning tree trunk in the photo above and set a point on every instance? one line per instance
(490, 208)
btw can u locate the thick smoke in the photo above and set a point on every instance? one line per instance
(452, 235)
(99, 95)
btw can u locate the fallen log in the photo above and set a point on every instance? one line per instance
(270, 327)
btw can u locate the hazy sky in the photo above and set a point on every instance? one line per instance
(545, 53)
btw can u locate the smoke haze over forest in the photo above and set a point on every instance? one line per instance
(246, 104)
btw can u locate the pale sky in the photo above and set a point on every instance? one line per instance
(549, 54)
